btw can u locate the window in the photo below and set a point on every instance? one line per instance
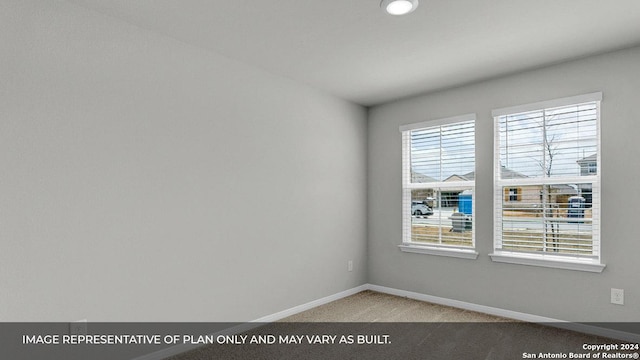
(547, 186)
(438, 185)
(511, 194)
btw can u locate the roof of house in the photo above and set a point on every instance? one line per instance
(505, 172)
(417, 177)
(590, 158)
(456, 177)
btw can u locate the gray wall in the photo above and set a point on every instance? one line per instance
(146, 180)
(555, 293)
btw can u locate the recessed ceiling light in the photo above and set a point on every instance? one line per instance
(399, 7)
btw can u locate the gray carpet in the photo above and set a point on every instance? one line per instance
(371, 306)
(371, 325)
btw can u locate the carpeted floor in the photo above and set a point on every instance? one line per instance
(371, 325)
(371, 306)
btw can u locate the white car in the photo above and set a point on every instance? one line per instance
(420, 208)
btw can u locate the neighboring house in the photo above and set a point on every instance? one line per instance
(526, 197)
(523, 197)
(426, 195)
(450, 197)
(505, 173)
(447, 198)
(455, 177)
(417, 177)
(588, 166)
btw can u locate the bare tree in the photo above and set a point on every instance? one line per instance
(551, 209)
(551, 150)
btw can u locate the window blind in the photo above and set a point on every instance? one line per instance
(547, 178)
(439, 182)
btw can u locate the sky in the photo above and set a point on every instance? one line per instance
(571, 133)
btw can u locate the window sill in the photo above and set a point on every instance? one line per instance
(429, 250)
(549, 261)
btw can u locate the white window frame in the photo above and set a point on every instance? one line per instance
(431, 249)
(548, 259)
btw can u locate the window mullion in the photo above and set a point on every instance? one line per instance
(544, 144)
(440, 155)
(545, 222)
(439, 197)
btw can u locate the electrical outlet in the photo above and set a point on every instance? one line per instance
(350, 265)
(78, 327)
(617, 296)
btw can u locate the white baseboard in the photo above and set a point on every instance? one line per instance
(587, 329)
(463, 305)
(310, 305)
(583, 328)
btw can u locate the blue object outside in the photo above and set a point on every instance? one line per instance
(465, 204)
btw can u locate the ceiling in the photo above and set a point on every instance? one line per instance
(352, 49)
